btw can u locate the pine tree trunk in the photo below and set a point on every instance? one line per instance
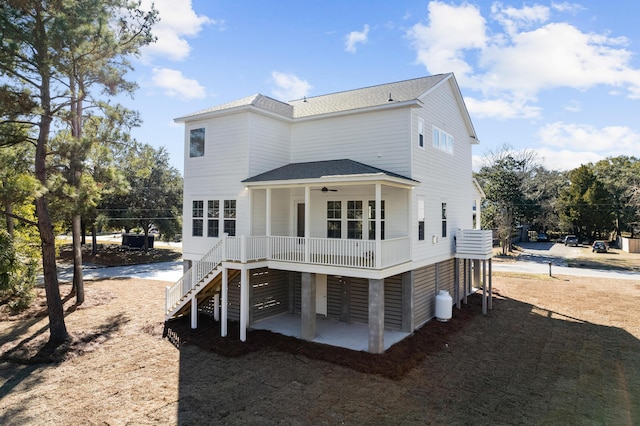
(78, 279)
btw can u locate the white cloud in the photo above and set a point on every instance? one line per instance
(567, 7)
(565, 159)
(568, 145)
(525, 54)
(609, 140)
(356, 37)
(178, 21)
(451, 31)
(500, 108)
(176, 85)
(289, 86)
(513, 19)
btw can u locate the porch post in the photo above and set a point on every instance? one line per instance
(465, 285)
(476, 273)
(216, 306)
(456, 274)
(308, 308)
(484, 288)
(225, 301)
(307, 222)
(490, 287)
(244, 303)
(194, 311)
(378, 259)
(376, 316)
(268, 213)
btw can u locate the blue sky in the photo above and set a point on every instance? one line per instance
(559, 78)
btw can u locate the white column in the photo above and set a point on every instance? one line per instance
(216, 306)
(194, 311)
(378, 207)
(268, 212)
(244, 303)
(307, 221)
(225, 301)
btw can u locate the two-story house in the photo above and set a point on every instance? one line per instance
(355, 207)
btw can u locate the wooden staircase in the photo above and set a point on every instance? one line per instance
(200, 282)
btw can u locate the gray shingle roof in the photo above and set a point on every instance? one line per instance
(367, 97)
(260, 101)
(320, 169)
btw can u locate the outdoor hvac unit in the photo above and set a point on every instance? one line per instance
(444, 306)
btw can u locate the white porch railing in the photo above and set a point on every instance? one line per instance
(195, 275)
(395, 251)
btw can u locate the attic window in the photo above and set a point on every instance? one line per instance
(196, 143)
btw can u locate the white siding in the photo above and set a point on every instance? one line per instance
(380, 139)
(269, 144)
(216, 175)
(445, 178)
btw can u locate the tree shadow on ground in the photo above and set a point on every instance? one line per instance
(519, 364)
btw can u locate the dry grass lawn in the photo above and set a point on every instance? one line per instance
(562, 350)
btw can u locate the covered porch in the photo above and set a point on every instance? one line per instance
(339, 213)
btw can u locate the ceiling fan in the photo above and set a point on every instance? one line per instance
(325, 189)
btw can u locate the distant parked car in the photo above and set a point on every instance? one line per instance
(599, 247)
(571, 240)
(542, 236)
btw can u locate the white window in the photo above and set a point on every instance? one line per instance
(354, 220)
(421, 220)
(444, 220)
(334, 219)
(196, 143)
(213, 216)
(442, 140)
(230, 217)
(372, 219)
(197, 212)
(420, 133)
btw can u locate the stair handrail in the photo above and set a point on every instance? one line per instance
(194, 275)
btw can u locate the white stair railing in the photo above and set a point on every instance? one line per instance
(195, 275)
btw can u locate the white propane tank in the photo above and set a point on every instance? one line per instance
(444, 306)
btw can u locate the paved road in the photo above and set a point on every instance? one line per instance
(536, 257)
(161, 271)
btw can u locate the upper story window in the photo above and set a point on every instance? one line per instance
(442, 140)
(230, 217)
(196, 143)
(354, 220)
(213, 213)
(420, 133)
(197, 213)
(372, 219)
(334, 219)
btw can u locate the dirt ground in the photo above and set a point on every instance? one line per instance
(561, 350)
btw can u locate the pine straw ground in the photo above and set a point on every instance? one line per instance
(554, 350)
